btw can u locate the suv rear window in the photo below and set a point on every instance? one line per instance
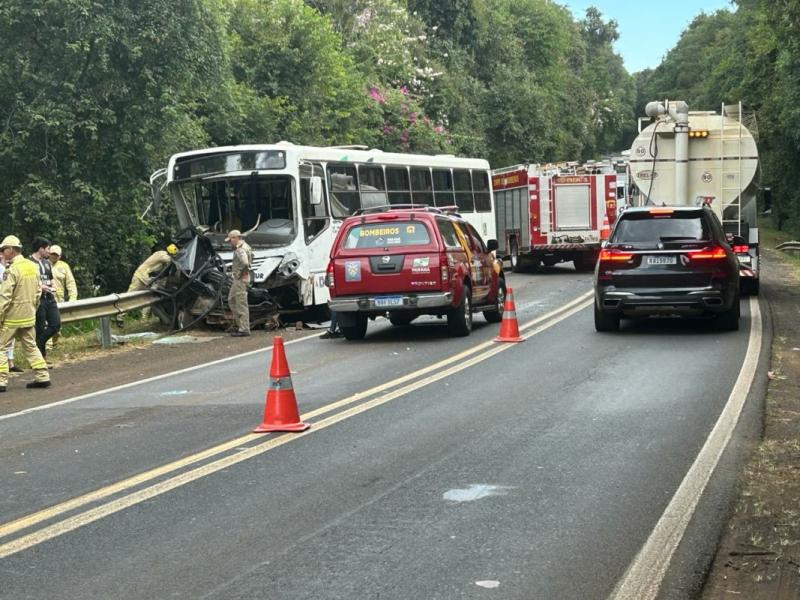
(648, 228)
(382, 234)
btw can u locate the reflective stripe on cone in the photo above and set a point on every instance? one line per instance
(280, 407)
(509, 328)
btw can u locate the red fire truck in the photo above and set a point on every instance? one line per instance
(554, 213)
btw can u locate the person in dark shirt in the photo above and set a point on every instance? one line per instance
(48, 319)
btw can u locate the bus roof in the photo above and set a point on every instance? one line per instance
(340, 154)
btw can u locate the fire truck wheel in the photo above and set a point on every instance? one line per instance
(459, 319)
(604, 321)
(516, 259)
(356, 328)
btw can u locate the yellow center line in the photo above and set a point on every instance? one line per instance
(125, 484)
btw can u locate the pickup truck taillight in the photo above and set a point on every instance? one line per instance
(443, 261)
(329, 275)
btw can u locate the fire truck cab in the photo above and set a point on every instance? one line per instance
(548, 214)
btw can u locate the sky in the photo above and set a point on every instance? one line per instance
(647, 30)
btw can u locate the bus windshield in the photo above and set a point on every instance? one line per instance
(262, 204)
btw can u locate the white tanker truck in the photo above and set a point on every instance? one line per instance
(690, 158)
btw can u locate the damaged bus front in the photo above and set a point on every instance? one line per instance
(276, 200)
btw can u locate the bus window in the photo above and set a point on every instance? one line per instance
(443, 187)
(398, 185)
(315, 216)
(421, 188)
(260, 204)
(480, 185)
(463, 184)
(373, 189)
(343, 184)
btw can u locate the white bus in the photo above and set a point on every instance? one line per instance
(290, 200)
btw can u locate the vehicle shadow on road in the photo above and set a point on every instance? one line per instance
(677, 326)
(421, 331)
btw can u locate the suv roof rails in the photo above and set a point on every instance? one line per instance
(388, 207)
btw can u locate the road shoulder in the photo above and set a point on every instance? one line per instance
(758, 556)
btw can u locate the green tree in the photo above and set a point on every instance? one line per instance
(93, 95)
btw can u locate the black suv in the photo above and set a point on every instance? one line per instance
(666, 260)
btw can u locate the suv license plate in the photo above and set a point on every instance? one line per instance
(389, 301)
(661, 260)
(745, 259)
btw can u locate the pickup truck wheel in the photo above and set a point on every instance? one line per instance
(496, 315)
(459, 319)
(355, 330)
(729, 320)
(604, 321)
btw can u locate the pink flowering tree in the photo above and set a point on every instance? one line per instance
(403, 126)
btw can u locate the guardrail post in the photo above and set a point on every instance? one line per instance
(105, 332)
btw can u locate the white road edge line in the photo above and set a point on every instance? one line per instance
(646, 573)
(151, 379)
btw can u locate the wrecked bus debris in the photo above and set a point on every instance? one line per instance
(289, 202)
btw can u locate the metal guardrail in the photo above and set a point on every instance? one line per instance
(788, 246)
(105, 306)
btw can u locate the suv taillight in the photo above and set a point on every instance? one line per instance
(329, 275)
(615, 256)
(710, 253)
(743, 249)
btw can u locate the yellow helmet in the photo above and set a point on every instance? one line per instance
(172, 249)
(11, 241)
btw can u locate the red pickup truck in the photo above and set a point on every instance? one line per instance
(407, 260)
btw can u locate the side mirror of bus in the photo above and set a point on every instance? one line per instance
(316, 190)
(491, 245)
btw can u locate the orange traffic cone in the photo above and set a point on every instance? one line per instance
(605, 232)
(509, 329)
(280, 409)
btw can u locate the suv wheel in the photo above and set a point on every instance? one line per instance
(496, 315)
(459, 319)
(750, 287)
(355, 330)
(604, 321)
(729, 320)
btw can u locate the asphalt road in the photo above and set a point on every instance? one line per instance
(533, 470)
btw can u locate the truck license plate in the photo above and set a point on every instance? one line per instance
(389, 301)
(661, 260)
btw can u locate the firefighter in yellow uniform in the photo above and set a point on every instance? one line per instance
(66, 289)
(154, 263)
(63, 279)
(240, 271)
(19, 297)
(142, 278)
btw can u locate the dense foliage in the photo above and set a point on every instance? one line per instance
(94, 96)
(752, 55)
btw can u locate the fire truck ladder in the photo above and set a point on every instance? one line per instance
(730, 152)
